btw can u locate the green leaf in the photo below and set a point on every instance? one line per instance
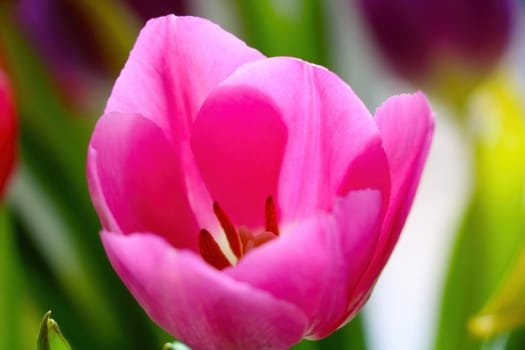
(50, 336)
(17, 317)
(506, 308)
(492, 232)
(9, 286)
(516, 340)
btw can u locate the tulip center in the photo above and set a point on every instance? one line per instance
(240, 240)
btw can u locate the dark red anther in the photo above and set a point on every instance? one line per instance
(211, 252)
(231, 233)
(270, 218)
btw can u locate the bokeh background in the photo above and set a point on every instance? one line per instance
(456, 279)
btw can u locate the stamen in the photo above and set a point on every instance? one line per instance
(211, 252)
(270, 217)
(241, 240)
(231, 233)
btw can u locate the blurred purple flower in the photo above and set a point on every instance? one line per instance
(147, 9)
(420, 37)
(62, 37)
(66, 39)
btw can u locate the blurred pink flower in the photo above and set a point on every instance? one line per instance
(248, 202)
(7, 132)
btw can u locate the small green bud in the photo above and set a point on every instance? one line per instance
(176, 346)
(50, 337)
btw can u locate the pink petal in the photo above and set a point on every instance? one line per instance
(198, 304)
(136, 182)
(328, 127)
(96, 192)
(173, 66)
(406, 125)
(316, 264)
(368, 170)
(238, 141)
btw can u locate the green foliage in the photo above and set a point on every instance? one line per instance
(10, 320)
(505, 310)
(493, 230)
(286, 28)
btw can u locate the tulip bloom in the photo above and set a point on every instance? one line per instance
(7, 132)
(248, 202)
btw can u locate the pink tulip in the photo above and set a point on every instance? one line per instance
(248, 202)
(7, 132)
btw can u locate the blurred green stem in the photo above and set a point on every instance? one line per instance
(9, 287)
(286, 28)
